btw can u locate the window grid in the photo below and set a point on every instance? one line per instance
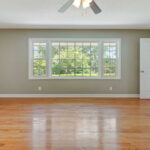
(38, 60)
(113, 60)
(114, 63)
(75, 59)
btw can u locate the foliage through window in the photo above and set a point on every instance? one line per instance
(39, 59)
(110, 59)
(74, 59)
(71, 59)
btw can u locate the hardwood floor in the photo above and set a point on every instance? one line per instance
(74, 124)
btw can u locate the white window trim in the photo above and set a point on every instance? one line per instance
(118, 67)
(49, 56)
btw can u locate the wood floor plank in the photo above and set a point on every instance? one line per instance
(74, 124)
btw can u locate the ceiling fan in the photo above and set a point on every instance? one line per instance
(77, 3)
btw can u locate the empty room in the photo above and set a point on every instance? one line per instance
(72, 75)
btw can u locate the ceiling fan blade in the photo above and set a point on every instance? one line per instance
(95, 7)
(65, 6)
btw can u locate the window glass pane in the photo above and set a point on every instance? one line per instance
(110, 71)
(71, 55)
(35, 71)
(55, 50)
(78, 50)
(86, 63)
(86, 50)
(94, 71)
(71, 47)
(71, 72)
(110, 59)
(78, 54)
(63, 54)
(63, 50)
(40, 54)
(110, 62)
(78, 63)
(71, 63)
(64, 62)
(94, 63)
(63, 72)
(39, 59)
(79, 72)
(55, 63)
(78, 47)
(39, 68)
(56, 67)
(94, 50)
(39, 50)
(86, 72)
(75, 59)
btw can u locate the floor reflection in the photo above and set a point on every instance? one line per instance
(76, 127)
(87, 131)
(39, 128)
(79, 126)
(110, 134)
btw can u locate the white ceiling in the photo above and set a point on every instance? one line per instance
(120, 14)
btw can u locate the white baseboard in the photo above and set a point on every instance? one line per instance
(68, 95)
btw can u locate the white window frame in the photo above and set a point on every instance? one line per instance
(118, 66)
(49, 56)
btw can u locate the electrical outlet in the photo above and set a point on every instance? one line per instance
(39, 88)
(110, 88)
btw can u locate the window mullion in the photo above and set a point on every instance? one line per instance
(82, 60)
(100, 60)
(49, 58)
(59, 56)
(75, 59)
(32, 59)
(118, 59)
(90, 60)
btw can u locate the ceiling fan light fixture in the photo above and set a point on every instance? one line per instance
(77, 3)
(86, 3)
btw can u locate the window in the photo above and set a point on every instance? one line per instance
(74, 59)
(39, 59)
(110, 60)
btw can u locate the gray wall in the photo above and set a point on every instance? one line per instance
(14, 63)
